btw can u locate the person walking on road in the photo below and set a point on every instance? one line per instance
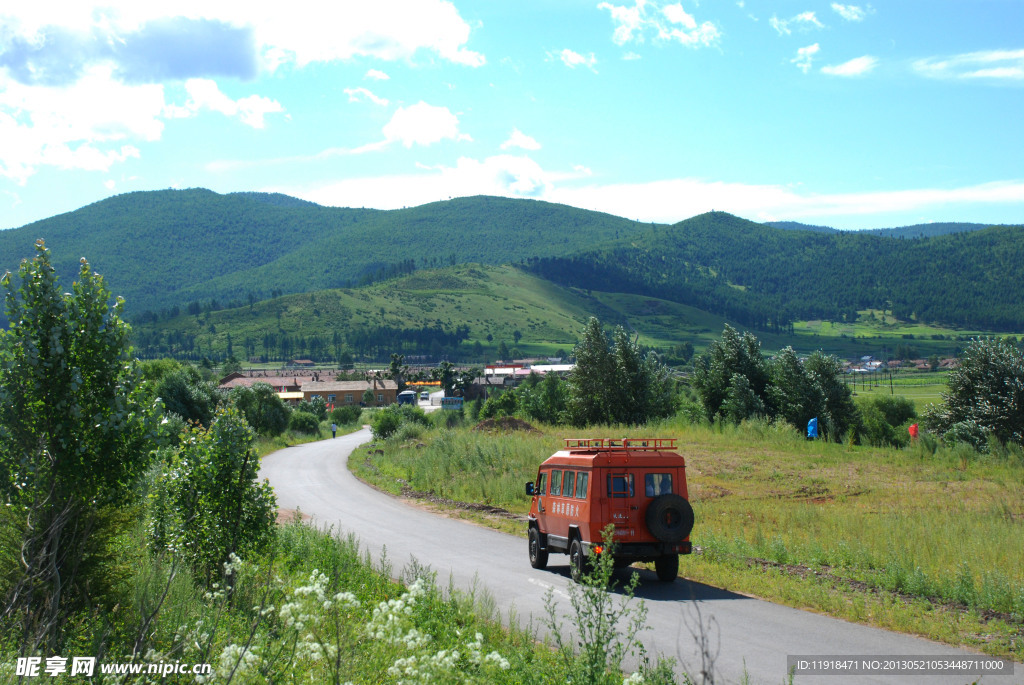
(334, 430)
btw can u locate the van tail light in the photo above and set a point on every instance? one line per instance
(598, 549)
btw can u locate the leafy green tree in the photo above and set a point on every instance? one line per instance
(838, 412)
(793, 392)
(369, 399)
(501, 404)
(617, 385)
(986, 390)
(883, 420)
(263, 409)
(209, 503)
(445, 372)
(503, 353)
(230, 366)
(588, 381)
(76, 433)
(640, 388)
(714, 371)
(185, 393)
(741, 402)
(398, 371)
(546, 400)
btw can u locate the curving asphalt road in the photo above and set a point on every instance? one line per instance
(752, 638)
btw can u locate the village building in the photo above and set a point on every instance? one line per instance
(341, 393)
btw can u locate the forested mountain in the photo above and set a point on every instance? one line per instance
(765, 277)
(194, 250)
(162, 249)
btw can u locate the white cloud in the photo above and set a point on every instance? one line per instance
(804, 21)
(849, 12)
(501, 175)
(804, 57)
(204, 94)
(995, 65)
(376, 75)
(357, 94)
(668, 200)
(520, 140)
(574, 59)
(664, 23)
(422, 124)
(83, 126)
(310, 31)
(855, 67)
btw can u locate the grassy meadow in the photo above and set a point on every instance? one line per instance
(913, 540)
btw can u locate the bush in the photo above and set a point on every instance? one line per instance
(385, 422)
(348, 414)
(884, 420)
(304, 422)
(504, 404)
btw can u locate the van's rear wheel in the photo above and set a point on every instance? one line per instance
(578, 565)
(669, 518)
(667, 568)
(538, 556)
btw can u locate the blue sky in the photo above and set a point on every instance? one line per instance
(848, 115)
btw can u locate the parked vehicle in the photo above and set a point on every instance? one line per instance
(424, 396)
(638, 485)
(407, 397)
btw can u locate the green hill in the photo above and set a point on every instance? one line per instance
(167, 248)
(766, 278)
(192, 250)
(450, 312)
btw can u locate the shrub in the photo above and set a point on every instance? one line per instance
(210, 503)
(304, 422)
(262, 407)
(345, 415)
(385, 422)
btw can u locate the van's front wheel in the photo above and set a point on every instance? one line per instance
(667, 568)
(538, 556)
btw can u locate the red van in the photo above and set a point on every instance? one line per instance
(636, 484)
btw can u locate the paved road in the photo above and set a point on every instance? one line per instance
(752, 637)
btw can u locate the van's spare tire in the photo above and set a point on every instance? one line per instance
(669, 517)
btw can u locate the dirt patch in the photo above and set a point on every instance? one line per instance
(289, 515)
(505, 424)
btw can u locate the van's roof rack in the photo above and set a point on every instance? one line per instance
(612, 444)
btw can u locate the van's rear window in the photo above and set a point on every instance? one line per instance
(657, 484)
(620, 485)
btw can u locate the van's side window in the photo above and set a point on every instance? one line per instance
(556, 482)
(568, 484)
(620, 485)
(581, 484)
(542, 483)
(657, 484)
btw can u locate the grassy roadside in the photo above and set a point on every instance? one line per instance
(265, 445)
(922, 543)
